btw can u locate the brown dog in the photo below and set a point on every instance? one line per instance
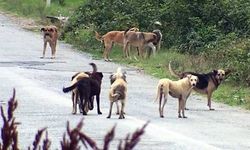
(50, 36)
(208, 82)
(110, 38)
(139, 40)
(118, 92)
(180, 89)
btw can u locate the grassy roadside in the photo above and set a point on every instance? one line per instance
(226, 93)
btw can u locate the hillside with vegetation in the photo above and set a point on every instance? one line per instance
(198, 35)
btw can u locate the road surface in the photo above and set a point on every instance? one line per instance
(42, 103)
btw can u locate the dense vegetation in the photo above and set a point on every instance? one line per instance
(199, 35)
(216, 29)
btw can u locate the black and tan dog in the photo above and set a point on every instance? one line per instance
(118, 92)
(75, 95)
(208, 82)
(111, 38)
(180, 89)
(87, 88)
(50, 35)
(141, 40)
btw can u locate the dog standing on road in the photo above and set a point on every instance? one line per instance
(111, 38)
(95, 75)
(118, 92)
(50, 35)
(87, 88)
(180, 89)
(208, 82)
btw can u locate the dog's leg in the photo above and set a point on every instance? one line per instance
(209, 95)
(160, 112)
(163, 105)
(44, 48)
(117, 108)
(74, 103)
(179, 108)
(183, 107)
(110, 109)
(122, 109)
(52, 46)
(98, 104)
(125, 49)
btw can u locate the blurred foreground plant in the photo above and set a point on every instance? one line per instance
(9, 135)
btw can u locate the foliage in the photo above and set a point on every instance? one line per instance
(71, 139)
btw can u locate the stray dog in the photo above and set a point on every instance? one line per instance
(87, 88)
(50, 36)
(78, 76)
(118, 92)
(180, 89)
(139, 40)
(110, 38)
(112, 78)
(157, 43)
(208, 82)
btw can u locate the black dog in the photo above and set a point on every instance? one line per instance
(97, 76)
(87, 88)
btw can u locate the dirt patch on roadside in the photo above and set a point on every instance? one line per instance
(25, 23)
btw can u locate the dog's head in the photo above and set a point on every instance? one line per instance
(220, 74)
(49, 30)
(118, 74)
(193, 80)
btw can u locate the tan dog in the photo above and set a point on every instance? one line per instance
(180, 89)
(50, 36)
(140, 40)
(78, 76)
(208, 82)
(110, 38)
(118, 92)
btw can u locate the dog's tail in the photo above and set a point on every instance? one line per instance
(159, 92)
(98, 36)
(94, 67)
(70, 88)
(172, 72)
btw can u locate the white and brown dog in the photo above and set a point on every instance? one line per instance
(180, 89)
(50, 35)
(110, 38)
(118, 92)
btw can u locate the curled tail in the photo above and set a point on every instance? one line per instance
(94, 67)
(98, 36)
(70, 88)
(172, 72)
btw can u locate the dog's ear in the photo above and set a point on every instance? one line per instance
(42, 29)
(215, 71)
(189, 76)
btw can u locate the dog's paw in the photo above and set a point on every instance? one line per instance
(211, 109)
(42, 57)
(108, 117)
(99, 112)
(161, 116)
(179, 116)
(186, 108)
(53, 57)
(185, 117)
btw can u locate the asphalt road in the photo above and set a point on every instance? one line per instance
(42, 103)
